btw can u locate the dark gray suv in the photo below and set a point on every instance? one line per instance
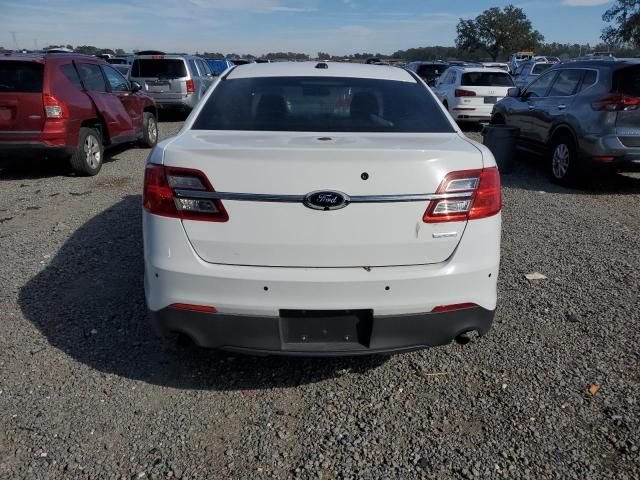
(582, 116)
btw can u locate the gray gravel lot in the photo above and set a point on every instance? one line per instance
(86, 391)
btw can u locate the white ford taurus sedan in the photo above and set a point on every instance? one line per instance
(321, 209)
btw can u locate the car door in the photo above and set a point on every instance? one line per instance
(551, 109)
(525, 112)
(120, 87)
(108, 105)
(206, 72)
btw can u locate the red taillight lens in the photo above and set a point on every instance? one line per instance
(190, 86)
(160, 185)
(616, 103)
(480, 197)
(54, 108)
(464, 93)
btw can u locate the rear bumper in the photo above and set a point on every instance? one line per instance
(599, 150)
(472, 113)
(268, 335)
(32, 150)
(186, 101)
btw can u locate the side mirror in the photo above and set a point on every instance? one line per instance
(135, 87)
(514, 92)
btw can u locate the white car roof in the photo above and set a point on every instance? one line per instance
(334, 69)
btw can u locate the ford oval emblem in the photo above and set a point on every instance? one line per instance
(326, 200)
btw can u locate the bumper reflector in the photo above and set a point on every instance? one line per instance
(451, 308)
(193, 308)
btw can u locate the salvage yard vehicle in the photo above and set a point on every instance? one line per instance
(527, 72)
(428, 71)
(174, 81)
(469, 93)
(584, 117)
(279, 222)
(70, 106)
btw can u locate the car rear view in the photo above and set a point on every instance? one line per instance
(166, 79)
(25, 109)
(478, 92)
(321, 210)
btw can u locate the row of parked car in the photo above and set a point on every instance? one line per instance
(583, 115)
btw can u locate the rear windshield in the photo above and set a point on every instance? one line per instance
(540, 67)
(328, 104)
(627, 81)
(22, 77)
(486, 79)
(161, 68)
(431, 71)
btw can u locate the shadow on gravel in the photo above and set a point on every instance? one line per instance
(89, 303)
(41, 168)
(529, 173)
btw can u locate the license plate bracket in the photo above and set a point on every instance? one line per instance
(314, 327)
(490, 99)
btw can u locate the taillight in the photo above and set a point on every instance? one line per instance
(464, 93)
(616, 103)
(54, 108)
(467, 195)
(161, 185)
(190, 86)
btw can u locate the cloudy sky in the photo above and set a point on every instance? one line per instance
(260, 26)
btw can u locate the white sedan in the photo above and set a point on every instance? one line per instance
(321, 209)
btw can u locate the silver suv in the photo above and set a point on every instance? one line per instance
(582, 116)
(174, 81)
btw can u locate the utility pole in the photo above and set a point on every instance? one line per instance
(15, 41)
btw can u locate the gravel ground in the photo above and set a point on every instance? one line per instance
(86, 391)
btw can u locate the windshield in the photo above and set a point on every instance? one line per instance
(431, 71)
(23, 77)
(162, 68)
(540, 67)
(330, 104)
(486, 79)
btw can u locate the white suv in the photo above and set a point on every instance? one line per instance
(321, 209)
(469, 93)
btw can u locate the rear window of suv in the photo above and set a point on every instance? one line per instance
(486, 79)
(327, 104)
(160, 68)
(627, 81)
(21, 77)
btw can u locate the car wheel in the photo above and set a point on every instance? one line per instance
(88, 157)
(149, 130)
(497, 120)
(564, 161)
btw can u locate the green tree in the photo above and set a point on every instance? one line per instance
(120, 51)
(324, 56)
(625, 15)
(498, 32)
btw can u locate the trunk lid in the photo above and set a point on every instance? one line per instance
(489, 87)
(161, 77)
(21, 107)
(627, 82)
(292, 235)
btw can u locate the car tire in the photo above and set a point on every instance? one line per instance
(563, 162)
(88, 158)
(149, 130)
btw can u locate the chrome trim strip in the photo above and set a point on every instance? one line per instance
(262, 197)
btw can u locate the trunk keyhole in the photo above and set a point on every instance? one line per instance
(364, 176)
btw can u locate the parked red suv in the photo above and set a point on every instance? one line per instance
(71, 106)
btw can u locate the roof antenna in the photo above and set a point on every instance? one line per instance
(322, 66)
